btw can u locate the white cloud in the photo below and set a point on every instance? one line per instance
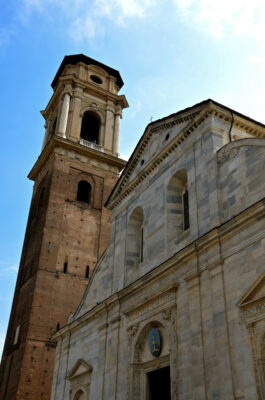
(86, 18)
(240, 17)
(6, 34)
(83, 29)
(8, 268)
(122, 8)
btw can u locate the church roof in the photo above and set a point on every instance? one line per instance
(193, 113)
(76, 58)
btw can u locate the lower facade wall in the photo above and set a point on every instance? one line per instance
(208, 338)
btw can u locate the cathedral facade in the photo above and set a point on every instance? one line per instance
(146, 285)
(175, 307)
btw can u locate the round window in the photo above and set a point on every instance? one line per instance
(96, 79)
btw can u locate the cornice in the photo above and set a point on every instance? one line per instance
(87, 88)
(54, 98)
(57, 141)
(239, 120)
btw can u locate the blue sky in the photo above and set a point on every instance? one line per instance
(171, 54)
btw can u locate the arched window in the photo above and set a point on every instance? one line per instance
(90, 127)
(87, 271)
(84, 192)
(79, 395)
(65, 266)
(186, 215)
(135, 238)
(178, 219)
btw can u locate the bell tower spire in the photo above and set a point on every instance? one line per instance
(68, 225)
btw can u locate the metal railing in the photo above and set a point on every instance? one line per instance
(92, 145)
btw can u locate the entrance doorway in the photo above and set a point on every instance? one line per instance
(158, 383)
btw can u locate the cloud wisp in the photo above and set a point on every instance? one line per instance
(239, 17)
(6, 268)
(86, 19)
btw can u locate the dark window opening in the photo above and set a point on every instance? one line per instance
(186, 216)
(87, 271)
(159, 384)
(83, 192)
(90, 128)
(167, 137)
(65, 266)
(142, 245)
(58, 326)
(96, 79)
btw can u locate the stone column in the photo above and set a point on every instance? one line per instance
(75, 127)
(196, 351)
(64, 116)
(224, 388)
(109, 127)
(118, 114)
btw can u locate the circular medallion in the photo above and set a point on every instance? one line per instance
(154, 342)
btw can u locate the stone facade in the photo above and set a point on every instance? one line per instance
(68, 225)
(197, 279)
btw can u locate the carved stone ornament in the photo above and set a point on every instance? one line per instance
(94, 106)
(166, 314)
(227, 153)
(132, 331)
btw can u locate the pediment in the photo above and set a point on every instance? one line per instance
(159, 139)
(255, 294)
(80, 368)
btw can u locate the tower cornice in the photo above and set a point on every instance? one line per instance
(86, 87)
(57, 141)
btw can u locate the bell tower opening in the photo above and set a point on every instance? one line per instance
(90, 128)
(158, 384)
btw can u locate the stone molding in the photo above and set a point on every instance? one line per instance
(232, 149)
(57, 141)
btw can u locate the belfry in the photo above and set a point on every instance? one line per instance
(68, 226)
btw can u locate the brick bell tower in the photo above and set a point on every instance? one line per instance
(68, 226)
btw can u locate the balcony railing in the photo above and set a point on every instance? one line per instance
(92, 145)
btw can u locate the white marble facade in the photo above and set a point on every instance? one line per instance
(200, 283)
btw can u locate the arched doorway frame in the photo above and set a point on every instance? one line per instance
(137, 369)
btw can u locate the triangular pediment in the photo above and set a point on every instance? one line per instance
(255, 294)
(80, 368)
(159, 139)
(162, 137)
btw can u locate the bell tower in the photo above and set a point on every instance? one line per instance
(68, 226)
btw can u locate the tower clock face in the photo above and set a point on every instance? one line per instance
(154, 342)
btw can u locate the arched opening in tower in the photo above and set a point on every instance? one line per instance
(90, 128)
(84, 192)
